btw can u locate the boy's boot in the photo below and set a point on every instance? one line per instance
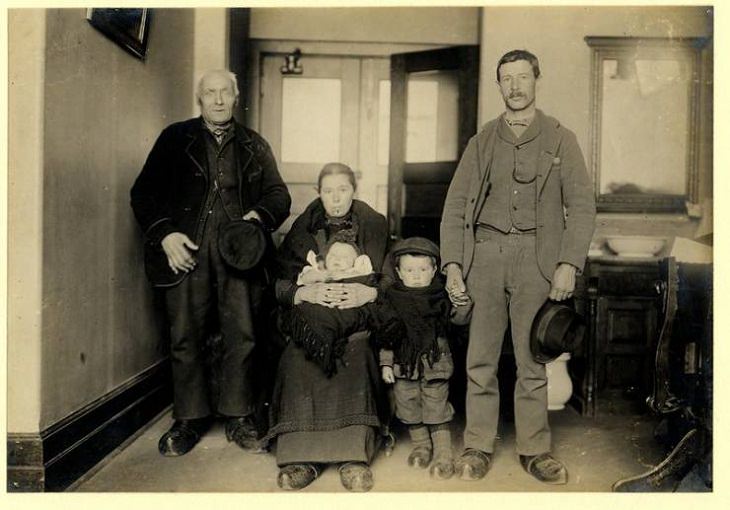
(443, 458)
(422, 452)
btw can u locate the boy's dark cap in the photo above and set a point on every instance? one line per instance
(416, 246)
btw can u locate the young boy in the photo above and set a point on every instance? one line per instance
(420, 364)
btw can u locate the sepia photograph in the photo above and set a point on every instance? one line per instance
(289, 249)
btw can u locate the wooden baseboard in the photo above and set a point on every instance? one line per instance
(56, 457)
(25, 463)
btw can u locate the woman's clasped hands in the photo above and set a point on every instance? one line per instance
(336, 295)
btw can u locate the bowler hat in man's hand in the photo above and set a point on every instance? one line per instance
(556, 329)
(242, 244)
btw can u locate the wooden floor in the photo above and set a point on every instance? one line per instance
(597, 452)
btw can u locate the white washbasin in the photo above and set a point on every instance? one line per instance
(635, 246)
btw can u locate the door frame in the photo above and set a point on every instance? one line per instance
(465, 60)
(260, 47)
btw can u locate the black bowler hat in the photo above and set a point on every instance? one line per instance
(242, 244)
(556, 329)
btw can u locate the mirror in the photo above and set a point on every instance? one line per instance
(645, 107)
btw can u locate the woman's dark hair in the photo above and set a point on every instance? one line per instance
(336, 169)
(515, 55)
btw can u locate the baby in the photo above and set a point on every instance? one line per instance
(342, 260)
(320, 330)
(420, 364)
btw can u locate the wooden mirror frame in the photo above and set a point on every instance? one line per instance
(603, 48)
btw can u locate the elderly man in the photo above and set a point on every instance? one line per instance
(516, 226)
(201, 174)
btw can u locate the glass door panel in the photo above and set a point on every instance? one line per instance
(303, 101)
(432, 117)
(310, 119)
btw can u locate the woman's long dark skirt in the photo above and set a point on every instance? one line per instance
(319, 419)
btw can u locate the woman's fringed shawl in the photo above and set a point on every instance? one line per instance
(317, 348)
(313, 330)
(425, 314)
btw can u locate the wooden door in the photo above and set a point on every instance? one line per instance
(433, 115)
(333, 111)
(310, 119)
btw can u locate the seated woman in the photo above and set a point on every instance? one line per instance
(319, 419)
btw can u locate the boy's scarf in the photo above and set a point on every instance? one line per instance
(425, 313)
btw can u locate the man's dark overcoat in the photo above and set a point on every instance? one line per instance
(169, 194)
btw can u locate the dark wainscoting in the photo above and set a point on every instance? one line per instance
(58, 456)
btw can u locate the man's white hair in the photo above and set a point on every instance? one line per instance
(225, 72)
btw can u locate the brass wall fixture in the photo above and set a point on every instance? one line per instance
(291, 63)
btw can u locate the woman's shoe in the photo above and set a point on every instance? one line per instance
(420, 457)
(293, 477)
(356, 476)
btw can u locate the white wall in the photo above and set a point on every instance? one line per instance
(437, 25)
(83, 116)
(103, 111)
(210, 44)
(26, 37)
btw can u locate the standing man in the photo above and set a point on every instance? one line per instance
(201, 174)
(516, 226)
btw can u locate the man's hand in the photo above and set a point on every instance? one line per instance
(455, 285)
(252, 215)
(563, 282)
(388, 375)
(177, 246)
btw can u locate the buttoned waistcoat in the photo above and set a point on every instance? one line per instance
(565, 205)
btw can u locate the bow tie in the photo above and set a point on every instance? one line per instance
(518, 122)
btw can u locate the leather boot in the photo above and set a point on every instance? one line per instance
(182, 436)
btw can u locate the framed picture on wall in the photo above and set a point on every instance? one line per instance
(126, 27)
